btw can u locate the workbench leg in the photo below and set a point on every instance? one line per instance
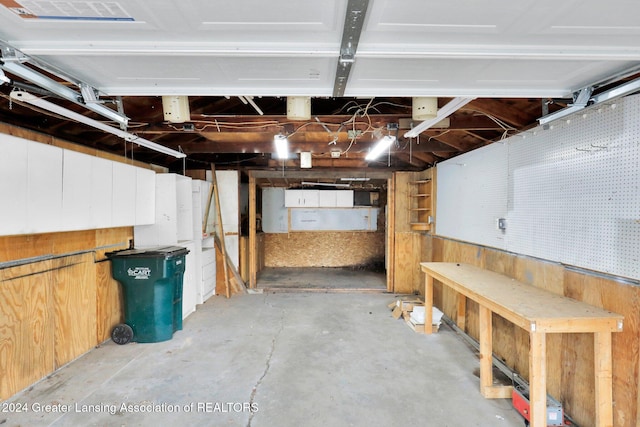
(538, 379)
(428, 304)
(486, 351)
(604, 379)
(462, 312)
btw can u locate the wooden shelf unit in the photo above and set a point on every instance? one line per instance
(421, 204)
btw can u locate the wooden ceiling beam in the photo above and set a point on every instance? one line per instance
(506, 110)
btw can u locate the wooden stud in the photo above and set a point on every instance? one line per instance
(461, 319)
(205, 219)
(391, 232)
(498, 392)
(486, 351)
(253, 247)
(604, 379)
(223, 249)
(538, 379)
(428, 301)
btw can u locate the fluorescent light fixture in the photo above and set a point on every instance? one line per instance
(354, 178)
(51, 85)
(452, 106)
(282, 146)
(249, 100)
(382, 145)
(325, 184)
(49, 106)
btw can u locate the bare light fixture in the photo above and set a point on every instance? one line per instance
(325, 184)
(54, 108)
(355, 178)
(379, 148)
(282, 146)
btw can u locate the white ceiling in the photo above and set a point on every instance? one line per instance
(490, 48)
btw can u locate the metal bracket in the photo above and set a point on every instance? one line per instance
(353, 24)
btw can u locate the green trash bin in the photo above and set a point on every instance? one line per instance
(151, 280)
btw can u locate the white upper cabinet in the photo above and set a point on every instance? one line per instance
(301, 199)
(344, 198)
(318, 198)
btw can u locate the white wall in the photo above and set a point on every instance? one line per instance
(570, 193)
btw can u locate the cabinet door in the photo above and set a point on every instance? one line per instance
(344, 198)
(327, 198)
(301, 198)
(292, 198)
(310, 198)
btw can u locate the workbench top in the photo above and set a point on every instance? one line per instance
(531, 308)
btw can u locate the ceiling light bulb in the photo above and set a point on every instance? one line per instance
(382, 145)
(282, 146)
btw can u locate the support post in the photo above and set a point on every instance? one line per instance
(253, 247)
(538, 379)
(604, 379)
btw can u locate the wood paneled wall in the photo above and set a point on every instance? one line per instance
(245, 260)
(406, 258)
(58, 303)
(569, 356)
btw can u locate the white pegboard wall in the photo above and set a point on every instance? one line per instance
(468, 207)
(572, 191)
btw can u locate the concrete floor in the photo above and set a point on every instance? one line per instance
(297, 359)
(319, 279)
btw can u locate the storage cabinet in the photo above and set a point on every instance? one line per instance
(174, 225)
(318, 198)
(421, 204)
(205, 253)
(52, 189)
(301, 198)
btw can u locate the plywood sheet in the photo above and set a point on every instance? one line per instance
(407, 276)
(109, 302)
(26, 316)
(74, 293)
(621, 298)
(327, 249)
(402, 201)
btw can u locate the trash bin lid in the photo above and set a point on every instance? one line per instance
(156, 252)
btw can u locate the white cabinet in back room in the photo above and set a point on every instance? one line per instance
(344, 198)
(318, 198)
(301, 198)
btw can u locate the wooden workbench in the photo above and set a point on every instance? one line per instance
(537, 311)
